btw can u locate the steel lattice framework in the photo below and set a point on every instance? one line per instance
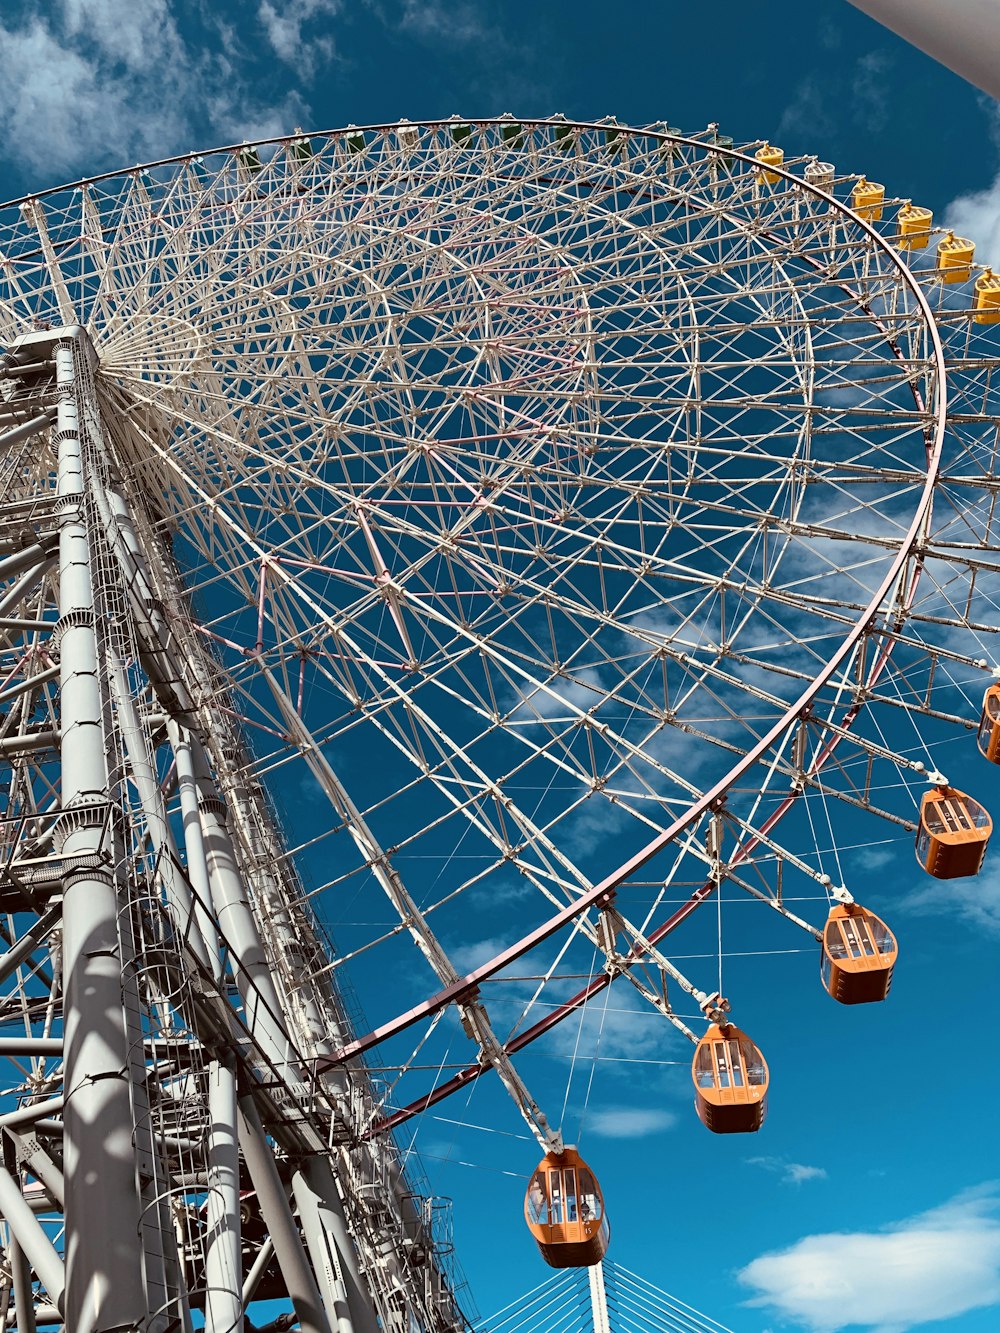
(580, 515)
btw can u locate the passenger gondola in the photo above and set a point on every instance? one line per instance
(730, 1079)
(989, 725)
(953, 834)
(859, 953)
(564, 1210)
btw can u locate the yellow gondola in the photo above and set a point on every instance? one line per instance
(564, 1210)
(769, 156)
(987, 298)
(730, 1080)
(859, 953)
(954, 255)
(867, 198)
(913, 227)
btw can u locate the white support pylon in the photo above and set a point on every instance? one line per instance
(962, 34)
(598, 1299)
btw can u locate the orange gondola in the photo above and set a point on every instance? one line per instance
(730, 1078)
(953, 834)
(859, 953)
(564, 1210)
(989, 725)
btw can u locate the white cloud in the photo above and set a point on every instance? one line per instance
(136, 35)
(808, 111)
(56, 108)
(96, 83)
(937, 1265)
(455, 23)
(977, 216)
(975, 900)
(791, 1173)
(871, 89)
(284, 23)
(467, 957)
(629, 1122)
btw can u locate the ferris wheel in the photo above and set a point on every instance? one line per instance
(569, 528)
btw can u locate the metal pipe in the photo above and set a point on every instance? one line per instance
(24, 1115)
(31, 1237)
(29, 683)
(24, 1297)
(50, 1126)
(47, 1315)
(29, 428)
(24, 559)
(158, 828)
(235, 917)
(598, 1299)
(962, 34)
(157, 651)
(19, 590)
(29, 942)
(194, 845)
(223, 1257)
(17, 370)
(41, 1201)
(33, 740)
(298, 1276)
(31, 1045)
(327, 1238)
(257, 1270)
(330, 1246)
(25, 623)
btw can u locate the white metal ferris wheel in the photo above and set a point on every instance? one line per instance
(569, 526)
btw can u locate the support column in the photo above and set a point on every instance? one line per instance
(104, 1277)
(298, 1276)
(598, 1299)
(223, 1267)
(24, 1300)
(327, 1238)
(223, 1251)
(232, 910)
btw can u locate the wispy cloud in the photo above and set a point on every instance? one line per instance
(791, 1173)
(93, 83)
(629, 1122)
(467, 957)
(872, 89)
(458, 24)
(808, 112)
(976, 901)
(936, 1265)
(977, 216)
(296, 30)
(840, 93)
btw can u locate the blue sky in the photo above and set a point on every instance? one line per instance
(877, 1161)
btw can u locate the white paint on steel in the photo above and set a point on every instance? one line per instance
(962, 34)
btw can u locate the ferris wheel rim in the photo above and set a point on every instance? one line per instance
(601, 892)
